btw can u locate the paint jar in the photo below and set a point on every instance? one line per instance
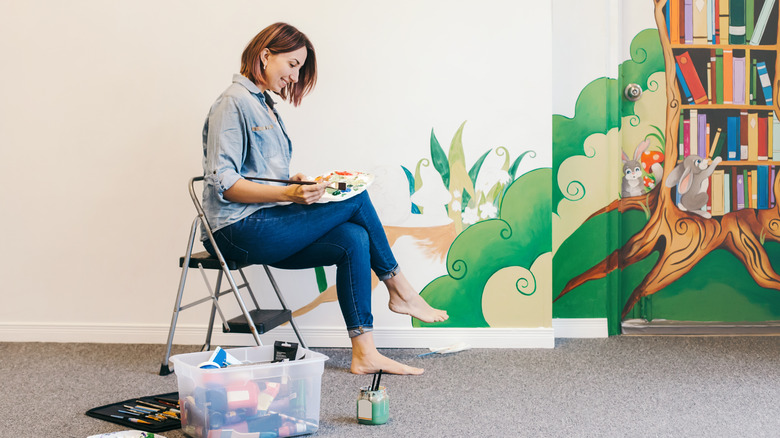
(373, 407)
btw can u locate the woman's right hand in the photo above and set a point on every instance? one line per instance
(305, 193)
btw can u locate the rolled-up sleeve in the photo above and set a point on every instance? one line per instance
(226, 144)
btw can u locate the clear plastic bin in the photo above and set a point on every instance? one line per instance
(257, 399)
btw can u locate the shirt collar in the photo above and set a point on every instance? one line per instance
(254, 89)
(249, 85)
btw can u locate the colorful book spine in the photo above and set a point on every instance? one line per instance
(717, 144)
(717, 193)
(769, 134)
(699, 22)
(723, 21)
(719, 76)
(762, 189)
(775, 136)
(743, 135)
(766, 84)
(753, 188)
(691, 77)
(753, 81)
(688, 21)
(701, 145)
(763, 17)
(740, 191)
(763, 152)
(716, 20)
(737, 22)
(710, 22)
(684, 85)
(732, 137)
(738, 80)
(726, 193)
(681, 135)
(673, 18)
(693, 145)
(752, 140)
(749, 16)
(728, 72)
(686, 137)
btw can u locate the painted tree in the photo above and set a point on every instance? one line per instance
(682, 238)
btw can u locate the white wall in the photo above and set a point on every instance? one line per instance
(103, 104)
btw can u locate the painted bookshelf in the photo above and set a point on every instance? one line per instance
(726, 62)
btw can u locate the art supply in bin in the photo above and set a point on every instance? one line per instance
(285, 351)
(258, 397)
(373, 404)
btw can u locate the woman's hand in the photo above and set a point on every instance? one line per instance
(305, 193)
(249, 192)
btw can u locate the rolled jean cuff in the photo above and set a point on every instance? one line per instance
(359, 331)
(390, 274)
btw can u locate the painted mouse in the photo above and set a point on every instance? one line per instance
(690, 177)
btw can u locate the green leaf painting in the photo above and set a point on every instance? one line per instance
(520, 234)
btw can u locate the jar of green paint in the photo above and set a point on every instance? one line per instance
(373, 406)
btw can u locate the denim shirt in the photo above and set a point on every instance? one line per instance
(240, 139)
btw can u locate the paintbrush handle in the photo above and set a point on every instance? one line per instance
(286, 181)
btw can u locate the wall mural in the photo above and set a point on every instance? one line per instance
(491, 228)
(663, 240)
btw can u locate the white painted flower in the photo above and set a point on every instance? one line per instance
(456, 206)
(490, 177)
(470, 216)
(487, 210)
(456, 194)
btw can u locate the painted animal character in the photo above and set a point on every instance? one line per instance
(690, 177)
(633, 180)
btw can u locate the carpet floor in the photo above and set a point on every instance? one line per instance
(637, 386)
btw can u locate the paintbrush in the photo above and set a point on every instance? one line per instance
(340, 185)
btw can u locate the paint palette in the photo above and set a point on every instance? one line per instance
(354, 183)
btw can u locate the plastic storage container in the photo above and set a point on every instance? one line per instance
(256, 399)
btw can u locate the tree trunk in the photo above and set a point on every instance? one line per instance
(683, 238)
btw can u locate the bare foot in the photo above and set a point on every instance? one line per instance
(416, 307)
(366, 359)
(406, 301)
(370, 365)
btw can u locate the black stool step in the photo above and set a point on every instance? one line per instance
(264, 319)
(210, 262)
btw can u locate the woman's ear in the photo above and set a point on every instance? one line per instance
(264, 57)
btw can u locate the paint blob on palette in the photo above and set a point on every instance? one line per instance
(354, 184)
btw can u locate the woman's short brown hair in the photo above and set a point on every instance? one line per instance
(281, 38)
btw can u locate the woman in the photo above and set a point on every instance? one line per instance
(280, 225)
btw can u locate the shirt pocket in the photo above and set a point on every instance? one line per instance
(266, 140)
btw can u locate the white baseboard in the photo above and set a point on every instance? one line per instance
(315, 337)
(580, 327)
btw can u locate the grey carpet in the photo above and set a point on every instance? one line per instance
(620, 386)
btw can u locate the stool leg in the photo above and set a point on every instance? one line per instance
(248, 288)
(284, 304)
(214, 308)
(164, 367)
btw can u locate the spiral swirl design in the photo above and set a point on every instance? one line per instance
(458, 269)
(575, 191)
(524, 284)
(643, 53)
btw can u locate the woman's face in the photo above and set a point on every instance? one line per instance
(281, 69)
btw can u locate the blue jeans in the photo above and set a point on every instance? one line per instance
(347, 234)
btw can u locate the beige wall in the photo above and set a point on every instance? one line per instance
(103, 104)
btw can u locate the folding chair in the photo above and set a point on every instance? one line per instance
(256, 321)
